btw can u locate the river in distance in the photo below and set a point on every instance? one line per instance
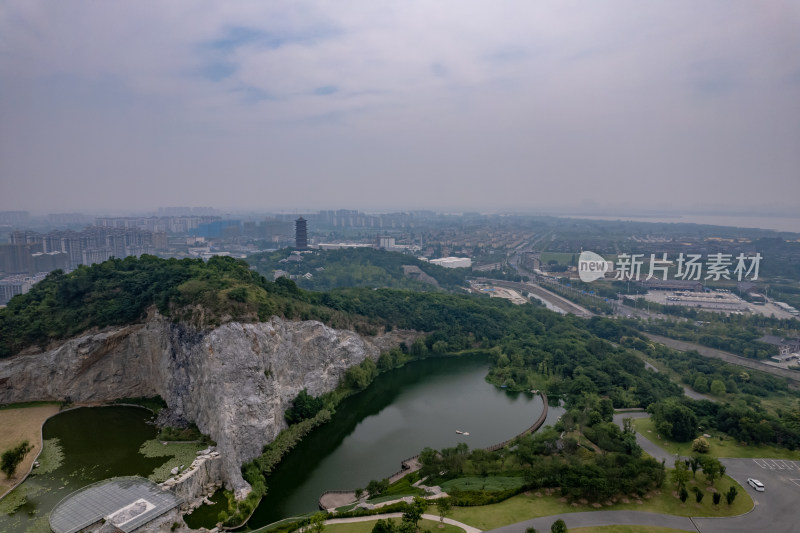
(400, 413)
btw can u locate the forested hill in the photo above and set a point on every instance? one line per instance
(358, 267)
(197, 292)
(120, 291)
(530, 346)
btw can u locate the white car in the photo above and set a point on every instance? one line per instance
(756, 484)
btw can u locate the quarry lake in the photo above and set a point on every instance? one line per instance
(403, 411)
(400, 413)
(81, 446)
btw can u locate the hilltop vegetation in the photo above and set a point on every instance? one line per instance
(122, 291)
(358, 267)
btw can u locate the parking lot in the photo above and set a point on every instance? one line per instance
(775, 509)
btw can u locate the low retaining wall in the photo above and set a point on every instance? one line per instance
(201, 478)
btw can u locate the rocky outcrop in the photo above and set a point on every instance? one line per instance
(235, 382)
(198, 480)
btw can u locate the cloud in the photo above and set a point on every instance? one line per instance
(448, 103)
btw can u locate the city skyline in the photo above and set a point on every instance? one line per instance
(619, 107)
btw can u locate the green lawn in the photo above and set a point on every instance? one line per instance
(536, 504)
(728, 447)
(562, 258)
(492, 484)
(366, 527)
(402, 487)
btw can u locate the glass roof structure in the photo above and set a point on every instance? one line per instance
(126, 502)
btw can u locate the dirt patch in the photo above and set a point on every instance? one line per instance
(19, 425)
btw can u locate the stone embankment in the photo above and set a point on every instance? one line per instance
(199, 481)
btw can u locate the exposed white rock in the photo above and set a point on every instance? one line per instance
(235, 382)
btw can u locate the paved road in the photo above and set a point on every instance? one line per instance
(793, 376)
(657, 452)
(776, 509)
(465, 527)
(603, 518)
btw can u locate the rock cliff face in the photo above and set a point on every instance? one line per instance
(235, 382)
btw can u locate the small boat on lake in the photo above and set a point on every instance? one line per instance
(462, 432)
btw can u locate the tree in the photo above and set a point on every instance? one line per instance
(731, 495)
(698, 495)
(627, 426)
(317, 524)
(431, 462)
(718, 387)
(716, 497)
(682, 418)
(413, 512)
(700, 445)
(304, 406)
(406, 527)
(559, 526)
(694, 463)
(375, 488)
(481, 460)
(684, 494)
(443, 506)
(359, 493)
(439, 347)
(531, 530)
(681, 473)
(700, 384)
(11, 459)
(383, 526)
(711, 469)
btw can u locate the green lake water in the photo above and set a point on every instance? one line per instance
(96, 443)
(403, 411)
(400, 413)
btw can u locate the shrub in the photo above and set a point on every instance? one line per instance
(304, 406)
(700, 445)
(12, 458)
(731, 495)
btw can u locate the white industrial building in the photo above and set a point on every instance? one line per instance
(453, 262)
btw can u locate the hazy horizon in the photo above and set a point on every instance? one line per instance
(620, 107)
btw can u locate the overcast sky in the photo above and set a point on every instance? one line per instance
(395, 105)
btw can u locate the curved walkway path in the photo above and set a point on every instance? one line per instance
(465, 527)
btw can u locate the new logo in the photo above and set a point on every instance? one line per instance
(591, 266)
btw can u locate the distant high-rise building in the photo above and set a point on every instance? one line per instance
(300, 234)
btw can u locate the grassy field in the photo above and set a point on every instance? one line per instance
(366, 527)
(483, 483)
(725, 448)
(626, 529)
(20, 424)
(178, 454)
(547, 502)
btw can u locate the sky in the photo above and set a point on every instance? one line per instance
(607, 107)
